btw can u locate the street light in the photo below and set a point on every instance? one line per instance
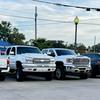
(76, 21)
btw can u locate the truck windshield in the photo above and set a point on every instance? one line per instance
(65, 52)
(21, 50)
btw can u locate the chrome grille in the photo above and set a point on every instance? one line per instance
(81, 61)
(41, 61)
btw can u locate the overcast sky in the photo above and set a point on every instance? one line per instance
(53, 30)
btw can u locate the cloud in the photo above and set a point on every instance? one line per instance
(52, 30)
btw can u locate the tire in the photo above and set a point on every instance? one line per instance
(83, 76)
(2, 77)
(49, 76)
(19, 75)
(59, 73)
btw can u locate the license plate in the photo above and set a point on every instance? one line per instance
(43, 66)
(81, 68)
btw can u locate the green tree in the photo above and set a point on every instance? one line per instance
(96, 47)
(15, 37)
(40, 42)
(43, 43)
(56, 44)
(70, 46)
(5, 29)
(81, 48)
(12, 35)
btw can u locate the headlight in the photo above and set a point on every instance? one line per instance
(29, 60)
(52, 61)
(69, 60)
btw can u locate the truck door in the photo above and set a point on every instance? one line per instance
(12, 58)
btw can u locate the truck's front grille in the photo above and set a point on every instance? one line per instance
(41, 61)
(81, 61)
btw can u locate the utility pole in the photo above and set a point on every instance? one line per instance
(35, 23)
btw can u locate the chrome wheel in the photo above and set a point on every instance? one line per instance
(58, 73)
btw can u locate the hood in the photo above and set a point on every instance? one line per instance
(73, 56)
(35, 55)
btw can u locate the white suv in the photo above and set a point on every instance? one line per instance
(68, 63)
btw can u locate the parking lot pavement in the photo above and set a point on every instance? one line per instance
(38, 89)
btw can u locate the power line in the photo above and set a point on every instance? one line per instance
(91, 19)
(40, 19)
(34, 18)
(90, 23)
(58, 24)
(59, 4)
(17, 16)
(57, 21)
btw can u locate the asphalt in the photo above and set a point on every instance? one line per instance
(39, 89)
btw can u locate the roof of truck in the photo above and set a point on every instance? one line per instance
(58, 49)
(20, 46)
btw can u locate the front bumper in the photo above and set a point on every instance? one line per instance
(35, 69)
(78, 69)
(4, 70)
(78, 74)
(38, 68)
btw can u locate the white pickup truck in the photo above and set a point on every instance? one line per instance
(4, 64)
(68, 63)
(28, 60)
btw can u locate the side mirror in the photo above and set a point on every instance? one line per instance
(12, 53)
(78, 54)
(51, 54)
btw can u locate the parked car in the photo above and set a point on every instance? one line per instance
(2, 50)
(4, 64)
(69, 63)
(28, 60)
(95, 63)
